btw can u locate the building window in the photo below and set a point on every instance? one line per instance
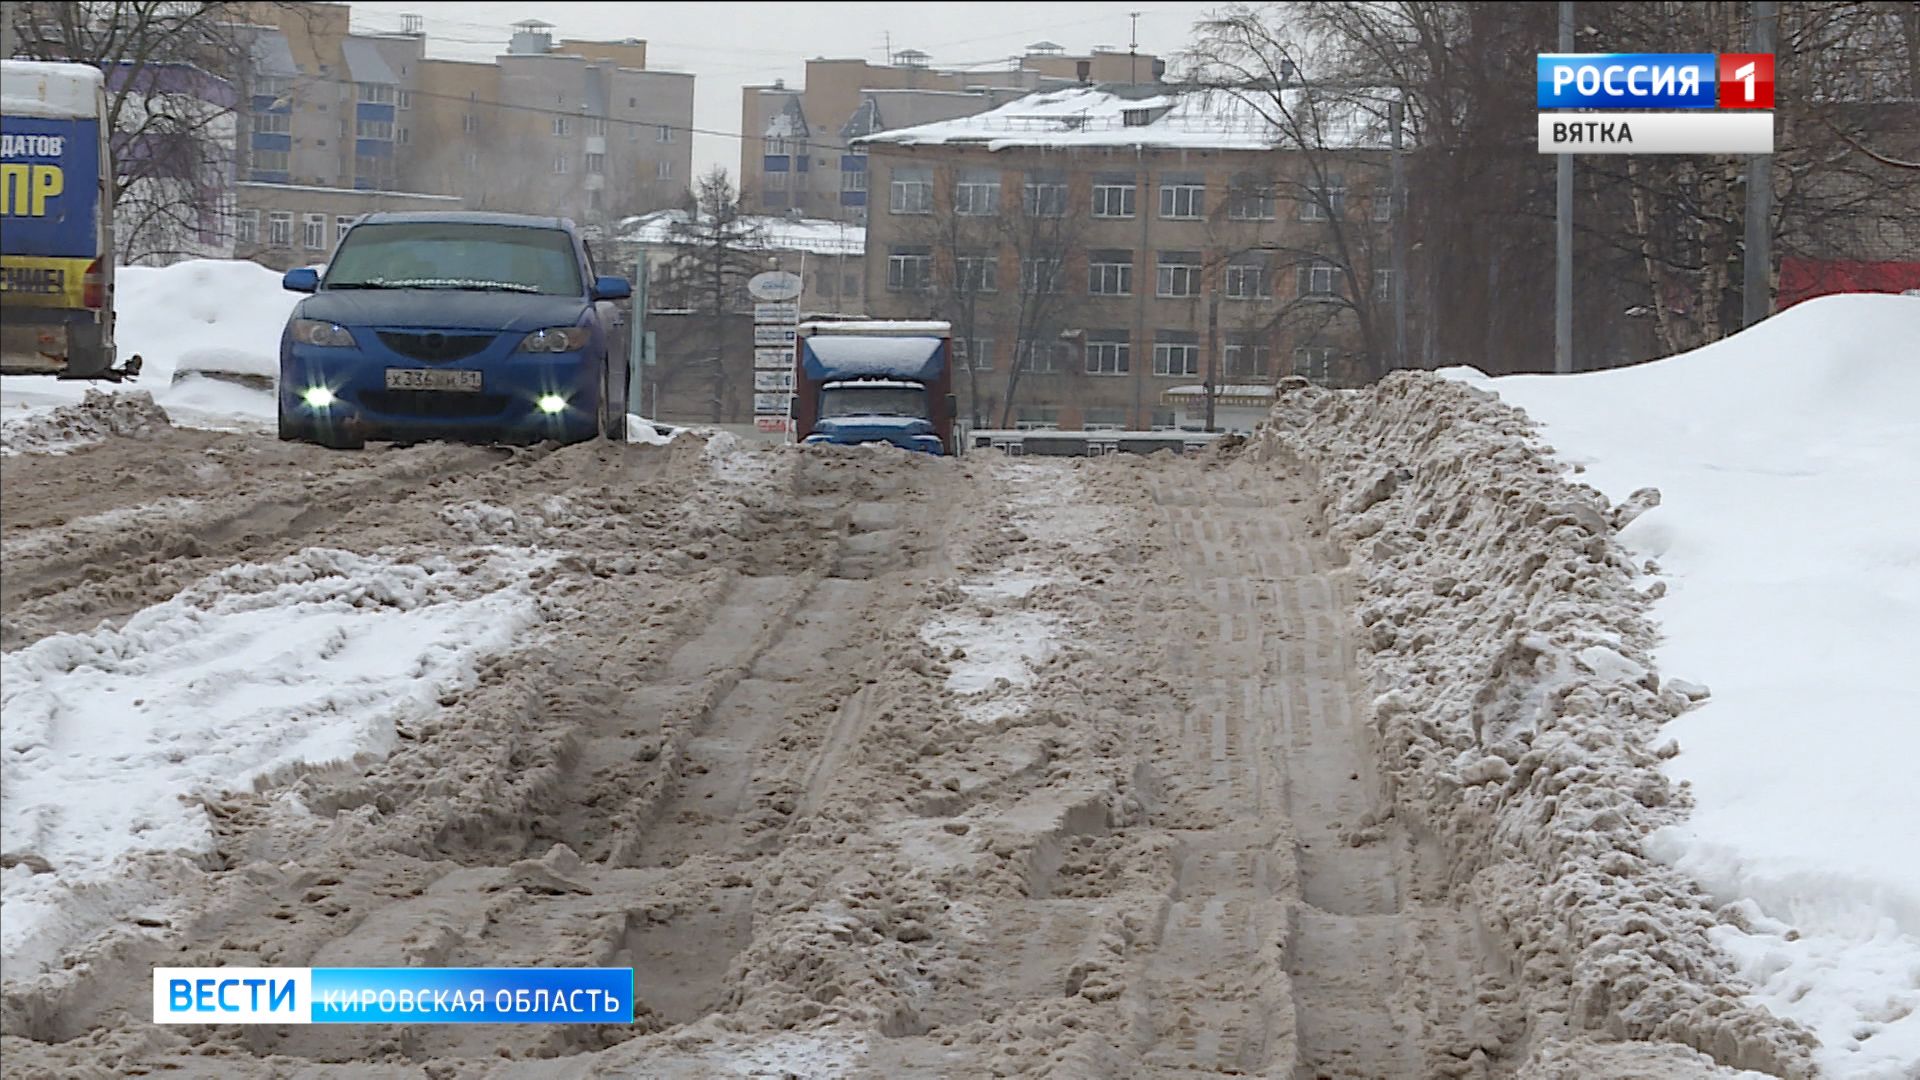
(272, 87)
(562, 125)
(1036, 418)
(469, 124)
(976, 353)
(774, 146)
(1039, 276)
(1162, 420)
(473, 161)
(403, 99)
(560, 164)
(1382, 206)
(1045, 198)
(663, 133)
(594, 201)
(1247, 281)
(597, 126)
(1383, 284)
(341, 224)
(1113, 200)
(375, 93)
(1182, 202)
(373, 129)
(1317, 279)
(1179, 274)
(313, 232)
(977, 273)
(774, 181)
(1244, 360)
(1110, 273)
(1250, 202)
(911, 192)
(977, 196)
(909, 269)
(272, 123)
(596, 163)
(1038, 358)
(401, 133)
(1109, 352)
(1322, 199)
(1104, 420)
(246, 227)
(1315, 364)
(663, 170)
(1176, 352)
(853, 180)
(270, 161)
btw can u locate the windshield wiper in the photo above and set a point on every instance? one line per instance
(477, 286)
(363, 285)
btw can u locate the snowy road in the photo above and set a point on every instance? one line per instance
(869, 764)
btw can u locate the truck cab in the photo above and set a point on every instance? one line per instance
(876, 382)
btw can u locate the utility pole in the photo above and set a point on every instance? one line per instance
(1397, 117)
(1563, 234)
(1757, 288)
(1133, 50)
(1213, 349)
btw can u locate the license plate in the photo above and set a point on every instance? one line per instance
(433, 379)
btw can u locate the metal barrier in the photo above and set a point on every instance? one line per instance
(1051, 443)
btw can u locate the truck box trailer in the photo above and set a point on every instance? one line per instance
(876, 382)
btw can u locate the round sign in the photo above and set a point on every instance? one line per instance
(774, 285)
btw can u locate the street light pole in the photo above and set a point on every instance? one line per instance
(1397, 116)
(1563, 234)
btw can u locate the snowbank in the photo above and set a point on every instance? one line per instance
(200, 315)
(113, 739)
(1787, 458)
(1506, 636)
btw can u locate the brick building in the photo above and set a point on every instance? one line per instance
(1099, 247)
(797, 156)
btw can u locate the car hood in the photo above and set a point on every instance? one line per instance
(887, 428)
(443, 309)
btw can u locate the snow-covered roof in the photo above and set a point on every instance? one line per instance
(1178, 118)
(272, 56)
(1221, 391)
(879, 327)
(812, 235)
(365, 64)
(51, 90)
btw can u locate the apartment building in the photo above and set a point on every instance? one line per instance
(1102, 251)
(800, 155)
(341, 124)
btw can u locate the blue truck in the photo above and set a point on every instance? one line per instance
(56, 222)
(872, 381)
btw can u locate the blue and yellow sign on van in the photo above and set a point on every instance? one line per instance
(49, 209)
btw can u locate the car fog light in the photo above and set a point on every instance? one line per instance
(551, 403)
(317, 397)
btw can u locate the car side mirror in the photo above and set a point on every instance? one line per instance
(612, 288)
(301, 279)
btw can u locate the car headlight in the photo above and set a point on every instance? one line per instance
(556, 339)
(322, 333)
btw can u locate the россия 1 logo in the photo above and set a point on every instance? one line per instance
(1728, 98)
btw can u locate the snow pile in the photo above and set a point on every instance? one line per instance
(641, 430)
(97, 416)
(113, 739)
(1507, 640)
(202, 315)
(1791, 567)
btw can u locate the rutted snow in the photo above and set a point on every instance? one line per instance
(1788, 462)
(109, 737)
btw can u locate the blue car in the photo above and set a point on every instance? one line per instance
(461, 326)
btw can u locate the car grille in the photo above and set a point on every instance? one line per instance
(435, 345)
(432, 403)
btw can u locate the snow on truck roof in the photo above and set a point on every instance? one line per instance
(878, 328)
(837, 356)
(50, 89)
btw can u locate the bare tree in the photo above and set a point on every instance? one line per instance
(716, 248)
(172, 69)
(1038, 235)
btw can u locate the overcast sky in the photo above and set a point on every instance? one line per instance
(727, 46)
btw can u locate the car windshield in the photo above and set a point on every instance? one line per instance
(891, 399)
(456, 255)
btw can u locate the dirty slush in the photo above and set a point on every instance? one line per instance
(1322, 756)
